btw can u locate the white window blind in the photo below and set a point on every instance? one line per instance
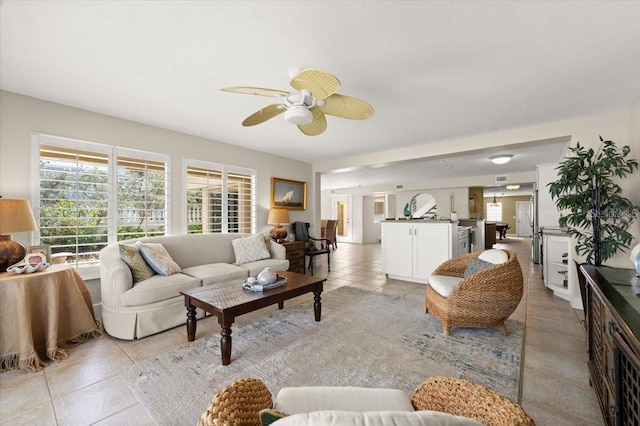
(73, 202)
(219, 198)
(494, 212)
(87, 195)
(142, 195)
(204, 199)
(241, 198)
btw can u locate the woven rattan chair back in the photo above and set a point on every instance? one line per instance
(463, 398)
(238, 404)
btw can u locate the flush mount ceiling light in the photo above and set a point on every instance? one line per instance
(513, 186)
(501, 159)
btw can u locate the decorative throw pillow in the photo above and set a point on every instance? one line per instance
(268, 416)
(250, 249)
(476, 265)
(130, 253)
(267, 241)
(159, 259)
(495, 256)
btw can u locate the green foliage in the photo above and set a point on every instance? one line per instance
(591, 203)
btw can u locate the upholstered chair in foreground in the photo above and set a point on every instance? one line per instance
(480, 289)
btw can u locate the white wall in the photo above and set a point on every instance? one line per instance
(21, 115)
(548, 214)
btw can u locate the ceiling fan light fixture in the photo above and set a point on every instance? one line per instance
(298, 115)
(501, 159)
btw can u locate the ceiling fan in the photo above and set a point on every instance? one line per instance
(306, 107)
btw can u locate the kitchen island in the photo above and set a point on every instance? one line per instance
(413, 249)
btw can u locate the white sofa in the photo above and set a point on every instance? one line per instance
(133, 311)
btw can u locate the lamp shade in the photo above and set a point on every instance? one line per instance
(16, 216)
(278, 217)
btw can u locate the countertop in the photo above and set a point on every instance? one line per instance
(555, 230)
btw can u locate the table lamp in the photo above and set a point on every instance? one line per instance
(278, 217)
(15, 216)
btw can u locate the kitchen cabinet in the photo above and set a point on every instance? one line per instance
(412, 250)
(613, 330)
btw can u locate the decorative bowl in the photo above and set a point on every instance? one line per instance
(267, 276)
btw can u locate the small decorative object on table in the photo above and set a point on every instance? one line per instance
(266, 280)
(33, 262)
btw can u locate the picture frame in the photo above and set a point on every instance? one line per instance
(44, 250)
(288, 194)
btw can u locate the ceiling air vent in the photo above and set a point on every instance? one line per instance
(399, 186)
(502, 179)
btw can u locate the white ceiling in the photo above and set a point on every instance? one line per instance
(433, 71)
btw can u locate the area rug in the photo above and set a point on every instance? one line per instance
(364, 339)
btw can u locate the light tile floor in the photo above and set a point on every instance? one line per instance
(86, 388)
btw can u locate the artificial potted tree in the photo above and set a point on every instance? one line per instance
(590, 201)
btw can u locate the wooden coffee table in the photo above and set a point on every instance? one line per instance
(228, 300)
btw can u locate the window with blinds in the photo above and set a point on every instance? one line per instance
(494, 212)
(73, 206)
(241, 209)
(219, 198)
(204, 200)
(141, 197)
(90, 195)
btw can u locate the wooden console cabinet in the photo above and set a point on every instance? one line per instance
(613, 326)
(295, 256)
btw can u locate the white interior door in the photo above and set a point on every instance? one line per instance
(341, 211)
(523, 219)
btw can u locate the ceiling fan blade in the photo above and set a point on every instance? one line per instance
(255, 91)
(319, 83)
(347, 107)
(263, 115)
(317, 126)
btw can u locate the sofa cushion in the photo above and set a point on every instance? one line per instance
(250, 249)
(495, 256)
(140, 269)
(443, 284)
(476, 265)
(303, 399)
(216, 273)
(159, 258)
(158, 288)
(375, 418)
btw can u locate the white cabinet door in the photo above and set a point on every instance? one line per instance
(432, 245)
(397, 248)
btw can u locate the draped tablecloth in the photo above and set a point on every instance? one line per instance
(42, 314)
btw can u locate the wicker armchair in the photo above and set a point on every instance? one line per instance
(463, 398)
(238, 404)
(484, 299)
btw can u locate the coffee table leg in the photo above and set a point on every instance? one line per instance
(317, 306)
(280, 305)
(191, 323)
(225, 340)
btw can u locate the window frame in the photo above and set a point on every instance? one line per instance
(225, 170)
(112, 152)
